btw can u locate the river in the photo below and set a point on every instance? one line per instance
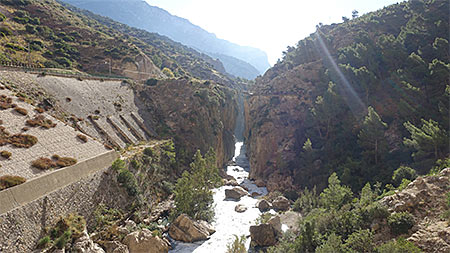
(228, 222)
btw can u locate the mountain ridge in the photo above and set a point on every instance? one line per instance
(176, 28)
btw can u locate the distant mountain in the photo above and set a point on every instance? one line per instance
(140, 14)
(237, 67)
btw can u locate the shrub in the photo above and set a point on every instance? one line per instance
(10, 181)
(2, 17)
(41, 121)
(332, 244)
(118, 165)
(360, 241)
(61, 242)
(401, 222)
(82, 137)
(238, 245)
(398, 246)
(30, 29)
(63, 61)
(44, 242)
(23, 140)
(21, 110)
(307, 201)
(148, 151)
(335, 195)
(403, 172)
(44, 163)
(5, 154)
(168, 73)
(4, 31)
(128, 181)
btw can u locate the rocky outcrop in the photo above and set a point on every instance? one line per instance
(263, 205)
(263, 235)
(235, 193)
(144, 242)
(84, 244)
(187, 230)
(281, 203)
(425, 199)
(115, 247)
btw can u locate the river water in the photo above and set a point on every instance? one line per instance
(228, 222)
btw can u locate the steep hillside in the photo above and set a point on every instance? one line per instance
(137, 13)
(358, 98)
(46, 34)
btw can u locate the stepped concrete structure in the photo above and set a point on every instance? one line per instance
(107, 110)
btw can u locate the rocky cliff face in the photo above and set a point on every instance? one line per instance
(275, 122)
(198, 115)
(322, 90)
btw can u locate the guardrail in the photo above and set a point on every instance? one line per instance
(35, 188)
(36, 69)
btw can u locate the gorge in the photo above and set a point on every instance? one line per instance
(117, 139)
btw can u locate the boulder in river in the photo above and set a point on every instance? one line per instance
(240, 208)
(275, 221)
(263, 205)
(187, 230)
(144, 242)
(263, 235)
(235, 193)
(260, 183)
(231, 182)
(281, 203)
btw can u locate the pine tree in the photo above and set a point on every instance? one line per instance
(428, 141)
(335, 195)
(193, 195)
(371, 135)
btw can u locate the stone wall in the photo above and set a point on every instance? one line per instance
(21, 194)
(21, 228)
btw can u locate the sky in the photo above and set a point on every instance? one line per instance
(270, 25)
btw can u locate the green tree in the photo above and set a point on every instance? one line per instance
(335, 195)
(371, 135)
(429, 141)
(326, 111)
(193, 195)
(332, 244)
(403, 172)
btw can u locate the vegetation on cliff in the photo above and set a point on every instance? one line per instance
(374, 96)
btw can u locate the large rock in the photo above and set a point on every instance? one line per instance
(115, 247)
(186, 230)
(263, 205)
(275, 221)
(235, 193)
(263, 235)
(144, 242)
(281, 203)
(84, 244)
(240, 208)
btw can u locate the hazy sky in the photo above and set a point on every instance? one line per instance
(270, 25)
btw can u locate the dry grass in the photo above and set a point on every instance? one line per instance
(56, 161)
(5, 102)
(10, 181)
(21, 110)
(41, 121)
(23, 140)
(66, 161)
(82, 137)
(39, 110)
(44, 163)
(5, 154)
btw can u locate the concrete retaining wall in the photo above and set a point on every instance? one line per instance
(37, 187)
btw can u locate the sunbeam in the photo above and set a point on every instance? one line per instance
(352, 99)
